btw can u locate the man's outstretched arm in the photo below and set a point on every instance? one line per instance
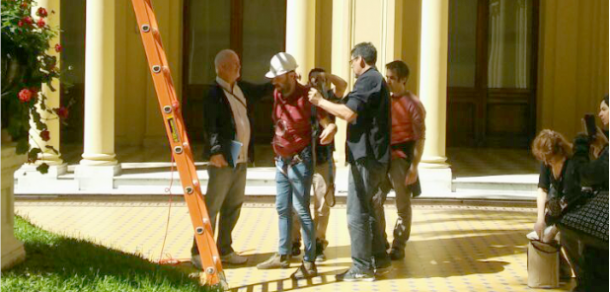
(338, 110)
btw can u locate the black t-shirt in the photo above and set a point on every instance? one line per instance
(369, 135)
(568, 183)
(325, 152)
(592, 173)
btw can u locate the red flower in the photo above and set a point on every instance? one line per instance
(20, 23)
(24, 5)
(28, 20)
(58, 48)
(45, 135)
(41, 23)
(61, 112)
(25, 95)
(42, 12)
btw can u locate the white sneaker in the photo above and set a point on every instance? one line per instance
(233, 259)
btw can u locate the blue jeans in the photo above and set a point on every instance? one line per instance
(367, 242)
(293, 191)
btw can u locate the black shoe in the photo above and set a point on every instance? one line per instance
(320, 246)
(305, 271)
(384, 269)
(296, 248)
(397, 254)
(350, 276)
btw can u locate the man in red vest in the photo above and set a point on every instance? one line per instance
(292, 115)
(407, 144)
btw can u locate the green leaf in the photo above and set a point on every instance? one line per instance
(22, 145)
(43, 168)
(33, 154)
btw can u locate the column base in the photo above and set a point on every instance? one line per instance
(50, 159)
(12, 249)
(28, 177)
(436, 179)
(96, 177)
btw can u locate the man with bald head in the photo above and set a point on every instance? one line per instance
(227, 122)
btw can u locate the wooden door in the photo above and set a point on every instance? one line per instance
(492, 73)
(254, 29)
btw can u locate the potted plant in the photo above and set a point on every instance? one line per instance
(26, 66)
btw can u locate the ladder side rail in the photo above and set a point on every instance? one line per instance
(188, 165)
(177, 136)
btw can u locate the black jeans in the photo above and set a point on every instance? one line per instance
(367, 243)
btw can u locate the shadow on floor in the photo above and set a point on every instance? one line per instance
(456, 256)
(290, 284)
(445, 257)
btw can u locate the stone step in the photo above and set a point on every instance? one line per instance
(155, 179)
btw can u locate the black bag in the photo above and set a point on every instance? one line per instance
(588, 222)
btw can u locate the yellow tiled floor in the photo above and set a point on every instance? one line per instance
(452, 248)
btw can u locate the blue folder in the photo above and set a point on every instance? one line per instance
(235, 149)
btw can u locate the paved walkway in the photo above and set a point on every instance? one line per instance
(452, 248)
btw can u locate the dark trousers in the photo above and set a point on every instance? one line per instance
(225, 195)
(595, 269)
(367, 243)
(396, 180)
(590, 264)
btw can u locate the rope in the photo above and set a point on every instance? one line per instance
(170, 260)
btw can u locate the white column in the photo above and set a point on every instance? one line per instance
(301, 34)
(98, 166)
(435, 172)
(341, 47)
(12, 249)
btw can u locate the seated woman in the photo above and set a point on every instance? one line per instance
(557, 175)
(594, 173)
(558, 182)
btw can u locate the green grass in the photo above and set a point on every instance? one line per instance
(57, 263)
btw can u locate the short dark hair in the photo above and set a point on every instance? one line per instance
(606, 99)
(400, 68)
(315, 70)
(367, 51)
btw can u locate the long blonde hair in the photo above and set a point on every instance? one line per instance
(549, 144)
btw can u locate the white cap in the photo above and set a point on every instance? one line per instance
(281, 64)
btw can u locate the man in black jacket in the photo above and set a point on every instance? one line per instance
(367, 111)
(228, 124)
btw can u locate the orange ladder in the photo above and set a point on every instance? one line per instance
(181, 149)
